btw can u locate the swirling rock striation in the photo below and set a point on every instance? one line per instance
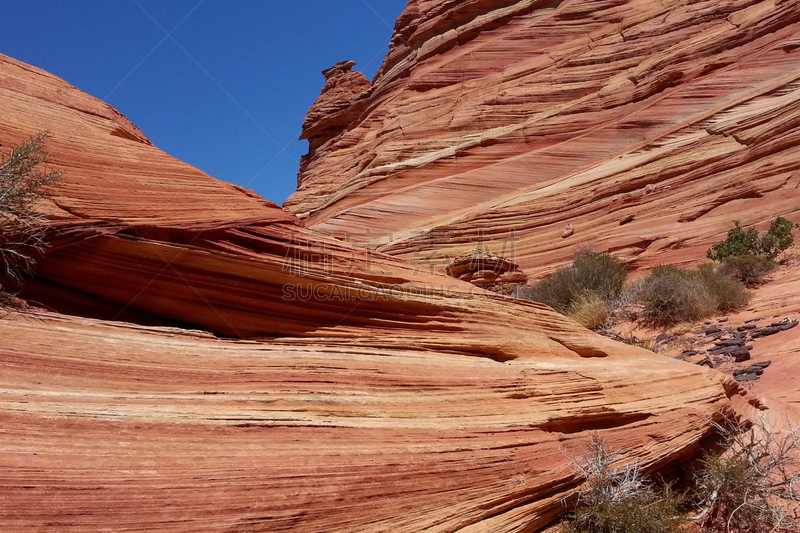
(115, 426)
(645, 127)
(487, 270)
(349, 389)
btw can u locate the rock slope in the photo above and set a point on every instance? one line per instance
(349, 390)
(113, 426)
(637, 127)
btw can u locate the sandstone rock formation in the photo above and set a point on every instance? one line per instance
(336, 107)
(112, 426)
(352, 390)
(487, 270)
(777, 302)
(645, 126)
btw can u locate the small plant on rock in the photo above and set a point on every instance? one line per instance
(22, 183)
(618, 499)
(751, 486)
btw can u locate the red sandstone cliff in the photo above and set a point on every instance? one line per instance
(386, 397)
(355, 390)
(645, 126)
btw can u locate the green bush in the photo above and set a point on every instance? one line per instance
(748, 269)
(591, 276)
(599, 274)
(620, 500)
(22, 183)
(555, 290)
(778, 238)
(742, 241)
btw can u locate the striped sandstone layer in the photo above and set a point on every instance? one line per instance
(637, 127)
(140, 429)
(351, 391)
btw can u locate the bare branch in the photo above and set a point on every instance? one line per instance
(750, 486)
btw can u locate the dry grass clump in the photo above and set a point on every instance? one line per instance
(590, 312)
(639, 342)
(670, 295)
(581, 290)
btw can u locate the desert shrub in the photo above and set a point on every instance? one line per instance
(748, 269)
(778, 238)
(741, 241)
(558, 290)
(22, 183)
(590, 311)
(727, 292)
(750, 485)
(590, 277)
(626, 306)
(599, 274)
(670, 295)
(619, 499)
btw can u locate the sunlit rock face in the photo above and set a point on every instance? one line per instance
(637, 127)
(210, 362)
(113, 426)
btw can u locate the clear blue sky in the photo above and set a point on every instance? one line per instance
(221, 84)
